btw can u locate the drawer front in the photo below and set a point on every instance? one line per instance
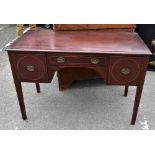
(68, 60)
(31, 67)
(124, 70)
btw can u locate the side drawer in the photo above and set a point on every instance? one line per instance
(76, 60)
(124, 70)
(30, 67)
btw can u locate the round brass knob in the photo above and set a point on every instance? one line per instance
(94, 61)
(60, 59)
(30, 68)
(125, 71)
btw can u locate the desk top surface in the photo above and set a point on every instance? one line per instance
(80, 42)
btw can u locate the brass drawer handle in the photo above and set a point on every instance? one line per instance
(153, 42)
(125, 71)
(95, 61)
(60, 59)
(30, 68)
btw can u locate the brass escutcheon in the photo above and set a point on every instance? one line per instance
(60, 59)
(30, 68)
(125, 71)
(95, 61)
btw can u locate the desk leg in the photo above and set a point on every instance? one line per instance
(38, 87)
(126, 90)
(21, 99)
(136, 104)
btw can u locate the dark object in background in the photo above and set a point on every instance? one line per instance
(147, 33)
(47, 26)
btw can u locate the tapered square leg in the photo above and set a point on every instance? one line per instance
(126, 90)
(38, 87)
(21, 99)
(136, 104)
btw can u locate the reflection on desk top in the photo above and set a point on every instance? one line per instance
(80, 42)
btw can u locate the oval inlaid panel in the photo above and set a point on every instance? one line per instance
(124, 70)
(31, 67)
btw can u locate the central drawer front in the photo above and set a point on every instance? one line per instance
(68, 60)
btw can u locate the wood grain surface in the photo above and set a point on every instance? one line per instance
(80, 42)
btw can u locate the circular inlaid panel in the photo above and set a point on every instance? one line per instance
(31, 68)
(125, 70)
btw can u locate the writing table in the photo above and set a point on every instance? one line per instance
(121, 58)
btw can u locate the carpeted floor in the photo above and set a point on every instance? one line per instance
(85, 105)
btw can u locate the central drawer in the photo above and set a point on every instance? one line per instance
(70, 60)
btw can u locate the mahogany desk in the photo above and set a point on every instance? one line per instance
(121, 58)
